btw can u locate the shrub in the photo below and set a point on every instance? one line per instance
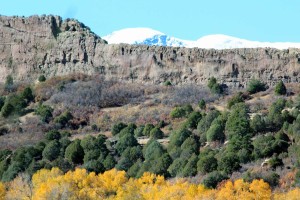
(147, 129)
(92, 155)
(280, 88)
(215, 132)
(214, 87)
(161, 124)
(258, 124)
(62, 163)
(241, 146)
(235, 99)
(134, 169)
(7, 109)
(34, 166)
(24, 156)
(94, 166)
(207, 163)
(206, 121)
(138, 132)
(275, 118)
(167, 83)
(2, 102)
(74, 152)
(45, 112)
(156, 133)
(52, 135)
(129, 129)
(193, 120)
(127, 140)
(129, 157)
(275, 161)
(182, 111)
(190, 146)
(3, 130)
(160, 165)
(109, 162)
(13, 103)
(211, 82)
(178, 137)
(13, 170)
(272, 178)
(229, 163)
(90, 143)
(213, 178)
(9, 82)
(63, 118)
(238, 121)
(153, 150)
(202, 104)
(190, 169)
(255, 86)
(263, 146)
(27, 94)
(42, 78)
(177, 166)
(64, 143)
(116, 129)
(188, 109)
(177, 112)
(51, 150)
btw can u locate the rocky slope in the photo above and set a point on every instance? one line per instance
(50, 46)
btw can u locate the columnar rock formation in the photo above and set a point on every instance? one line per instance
(48, 45)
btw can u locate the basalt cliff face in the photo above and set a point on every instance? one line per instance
(51, 46)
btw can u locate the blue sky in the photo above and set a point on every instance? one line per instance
(262, 20)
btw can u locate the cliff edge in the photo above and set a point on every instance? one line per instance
(31, 46)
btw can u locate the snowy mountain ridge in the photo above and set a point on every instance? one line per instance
(152, 37)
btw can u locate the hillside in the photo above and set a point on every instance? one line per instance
(48, 45)
(83, 118)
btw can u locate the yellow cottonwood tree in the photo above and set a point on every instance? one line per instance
(290, 195)
(260, 190)
(79, 184)
(20, 188)
(2, 191)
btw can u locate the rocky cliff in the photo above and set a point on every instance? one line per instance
(51, 46)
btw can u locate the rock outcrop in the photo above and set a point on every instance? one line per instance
(51, 46)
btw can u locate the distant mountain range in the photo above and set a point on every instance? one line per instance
(152, 37)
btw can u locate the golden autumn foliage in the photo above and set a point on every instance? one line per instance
(79, 184)
(2, 191)
(258, 189)
(20, 188)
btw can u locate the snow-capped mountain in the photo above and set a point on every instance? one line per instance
(151, 37)
(143, 36)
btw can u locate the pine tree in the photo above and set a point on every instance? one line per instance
(280, 88)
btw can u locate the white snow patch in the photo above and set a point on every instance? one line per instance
(151, 37)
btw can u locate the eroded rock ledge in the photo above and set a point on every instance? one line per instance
(51, 46)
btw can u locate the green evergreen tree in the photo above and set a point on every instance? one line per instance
(127, 140)
(74, 152)
(255, 86)
(193, 120)
(42, 78)
(190, 169)
(51, 150)
(202, 104)
(116, 129)
(280, 88)
(156, 133)
(27, 95)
